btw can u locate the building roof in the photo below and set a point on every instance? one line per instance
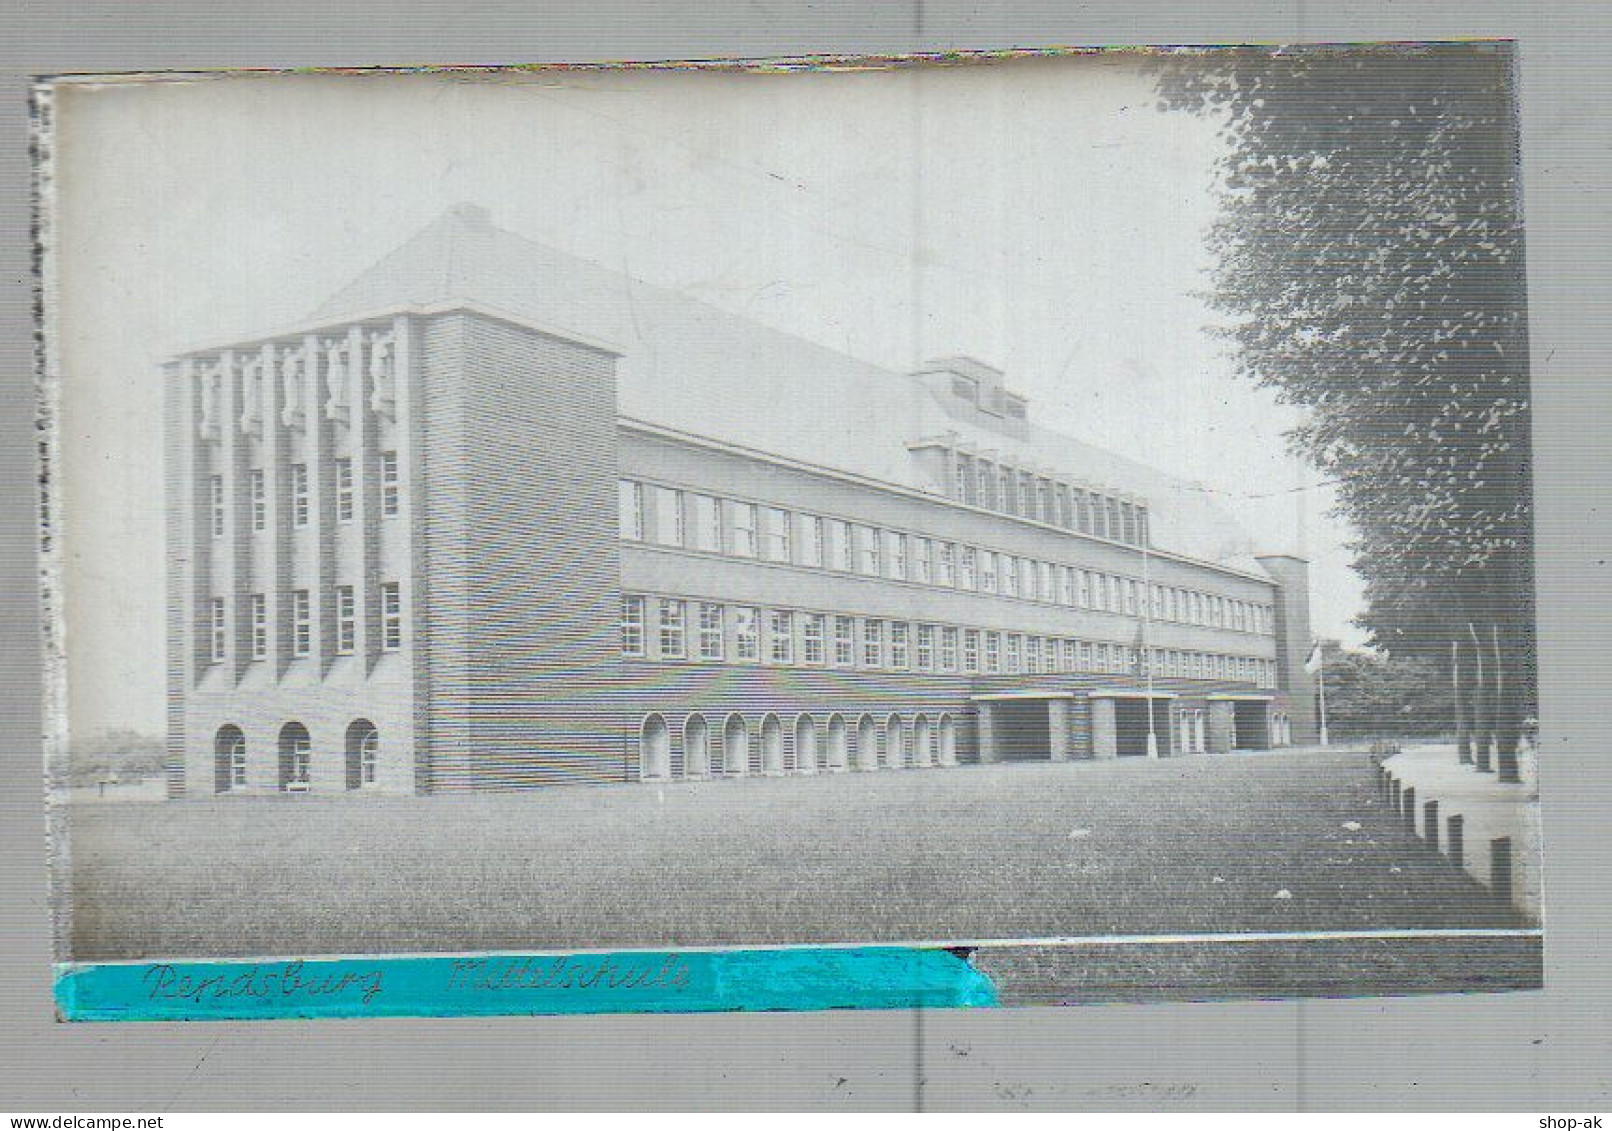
(692, 367)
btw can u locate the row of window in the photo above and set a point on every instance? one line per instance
(363, 751)
(715, 632)
(698, 750)
(299, 620)
(668, 516)
(984, 483)
(300, 493)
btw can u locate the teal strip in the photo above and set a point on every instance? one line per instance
(489, 985)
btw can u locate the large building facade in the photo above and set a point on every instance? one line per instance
(496, 518)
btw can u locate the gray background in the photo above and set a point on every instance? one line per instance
(1546, 1051)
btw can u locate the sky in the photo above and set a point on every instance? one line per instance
(1043, 216)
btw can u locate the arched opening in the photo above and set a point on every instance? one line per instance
(948, 741)
(838, 744)
(229, 759)
(806, 759)
(696, 747)
(735, 746)
(895, 741)
(772, 745)
(867, 743)
(654, 750)
(363, 753)
(296, 758)
(923, 737)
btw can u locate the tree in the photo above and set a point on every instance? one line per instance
(1369, 269)
(1380, 696)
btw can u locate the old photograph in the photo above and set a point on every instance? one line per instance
(1068, 512)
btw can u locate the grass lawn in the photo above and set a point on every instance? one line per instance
(981, 852)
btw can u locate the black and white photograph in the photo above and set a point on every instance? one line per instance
(1069, 509)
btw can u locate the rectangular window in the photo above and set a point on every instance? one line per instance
(1007, 567)
(962, 478)
(746, 633)
(742, 524)
(1015, 653)
(346, 620)
(1044, 502)
(840, 551)
(215, 496)
(1114, 531)
(1116, 600)
(1049, 585)
(391, 493)
(673, 619)
(711, 647)
(873, 643)
(260, 499)
(971, 650)
(217, 630)
(260, 626)
(899, 651)
(945, 564)
(1066, 586)
(895, 555)
(1066, 508)
(1197, 609)
(1006, 494)
(391, 616)
(948, 649)
(811, 540)
(844, 642)
(967, 568)
(668, 510)
(1032, 654)
(707, 524)
(986, 478)
(299, 494)
(301, 623)
(1083, 659)
(993, 653)
(814, 630)
(1144, 536)
(923, 561)
(782, 636)
(1071, 657)
(1127, 515)
(632, 626)
(630, 507)
(1132, 605)
(1027, 496)
(1082, 589)
(777, 543)
(868, 548)
(925, 656)
(344, 489)
(987, 571)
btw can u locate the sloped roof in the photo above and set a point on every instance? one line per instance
(689, 366)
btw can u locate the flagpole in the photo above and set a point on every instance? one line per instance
(1321, 686)
(1147, 643)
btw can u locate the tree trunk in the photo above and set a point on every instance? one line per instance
(1459, 674)
(1508, 706)
(1482, 702)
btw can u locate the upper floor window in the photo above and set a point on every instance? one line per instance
(898, 645)
(391, 616)
(260, 499)
(812, 548)
(993, 652)
(1027, 496)
(711, 645)
(945, 564)
(948, 649)
(777, 541)
(630, 508)
(707, 524)
(782, 637)
(344, 489)
(813, 631)
(925, 649)
(962, 479)
(1071, 656)
(743, 526)
(391, 485)
(840, 552)
(1083, 588)
(217, 630)
(260, 626)
(1132, 606)
(895, 555)
(923, 560)
(1144, 536)
(1032, 654)
(985, 496)
(346, 620)
(673, 629)
(971, 650)
(301, 622)
(987, 570)
(844, 641)
(632, 626)
(299, 494)
(215, 496)
(1008, 573)
(668, 513)
(1014, 658)
(868, 546)
(873, 643)
(1005, 491)
(746, 634)
(967, 568)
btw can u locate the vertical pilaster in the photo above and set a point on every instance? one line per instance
(321, 506)
(1104, 729)
(1058, 729)
(989, 751)
(235, 543)
(275, 569)
(1220, 725)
